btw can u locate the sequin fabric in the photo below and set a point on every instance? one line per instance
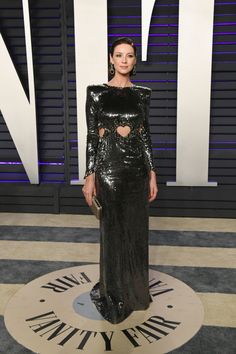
(121, 165)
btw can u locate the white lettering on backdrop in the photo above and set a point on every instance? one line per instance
(18, 112)
(193, 96)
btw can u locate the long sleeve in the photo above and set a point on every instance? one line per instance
(92, 131)
(145, 132)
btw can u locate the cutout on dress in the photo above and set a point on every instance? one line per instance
(101, 132)
(123, 131)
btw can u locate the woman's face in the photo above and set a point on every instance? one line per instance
(123, 58)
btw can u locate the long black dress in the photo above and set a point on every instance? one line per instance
(121, 165)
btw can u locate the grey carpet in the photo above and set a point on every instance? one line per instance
(201, 279)
(209, 340)
(91, 235)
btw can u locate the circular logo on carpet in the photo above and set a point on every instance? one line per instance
(54, 314)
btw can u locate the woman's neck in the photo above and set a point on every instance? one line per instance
(120, 81)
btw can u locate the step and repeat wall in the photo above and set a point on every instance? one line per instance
(191, 69)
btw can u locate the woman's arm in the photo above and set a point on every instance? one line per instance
(91, 149)
(92, 131)
(145, 132)
(147, 147)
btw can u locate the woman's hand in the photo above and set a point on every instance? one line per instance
(152, 186)
(89, 188)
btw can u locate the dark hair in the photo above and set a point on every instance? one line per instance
(122, 40)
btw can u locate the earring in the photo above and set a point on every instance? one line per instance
(112, 69)
(134, 69)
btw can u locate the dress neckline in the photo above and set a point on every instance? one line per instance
(118, 87)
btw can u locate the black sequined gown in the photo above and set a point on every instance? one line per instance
(121, 166)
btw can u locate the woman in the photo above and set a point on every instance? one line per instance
(120, 172)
